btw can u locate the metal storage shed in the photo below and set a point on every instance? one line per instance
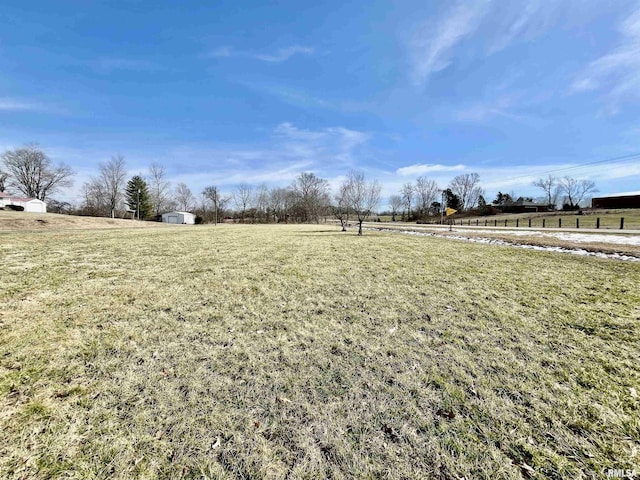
(179, 218)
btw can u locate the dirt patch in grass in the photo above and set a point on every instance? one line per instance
(303, 352)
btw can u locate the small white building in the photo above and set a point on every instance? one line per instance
(179, 218)
(29, 204)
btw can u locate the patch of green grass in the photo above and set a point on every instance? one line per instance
(303, 352)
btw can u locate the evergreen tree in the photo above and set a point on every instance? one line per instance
(137, 189)
(452, 200)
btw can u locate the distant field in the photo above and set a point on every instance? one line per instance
(302, 352)
(609, 219)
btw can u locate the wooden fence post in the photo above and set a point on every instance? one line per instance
(598, 222)
(621, 223)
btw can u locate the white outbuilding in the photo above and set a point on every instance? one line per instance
(179, 218)
(29, 204)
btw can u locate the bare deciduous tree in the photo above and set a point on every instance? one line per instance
(576, 190)
(549, 186)
(279, 200)
(395, 202)
(427, 192)
(467, 188)
(213, 195)
(313, 193)
(341, 209)
(184, 197)
(106, 192)
(95, 198)
(407, 197)
(262, 203)
(159, 188)
(30, 171)
(242, 197)
(362, 196)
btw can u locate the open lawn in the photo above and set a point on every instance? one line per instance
(302, 352)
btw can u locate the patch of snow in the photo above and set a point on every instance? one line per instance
(567, 236)
(497, 241)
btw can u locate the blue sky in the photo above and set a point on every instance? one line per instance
(228, 92)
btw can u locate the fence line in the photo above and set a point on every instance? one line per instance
(529, 223)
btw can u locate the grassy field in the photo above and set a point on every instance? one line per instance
(303, 352)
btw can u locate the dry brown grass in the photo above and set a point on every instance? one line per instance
(533, 238)
(11, 221)
(301, 352)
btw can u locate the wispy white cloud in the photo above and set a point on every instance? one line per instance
(502, 106)
(220, 52)
(493, 25)
(279, 56)
(8, 104)
(284, 54)
(288, 151)
(513, 21)
(425, 168)
(16, 105)
(328, 146)
(227, 178)
(617, 73)
(302, 98)
(433, 42)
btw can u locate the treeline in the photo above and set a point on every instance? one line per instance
(425, 198)
(113, 193)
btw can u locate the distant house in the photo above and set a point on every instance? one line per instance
(28, 204)
(179, 218)
(617, 200)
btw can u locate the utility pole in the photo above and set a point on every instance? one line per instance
(138, 205)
